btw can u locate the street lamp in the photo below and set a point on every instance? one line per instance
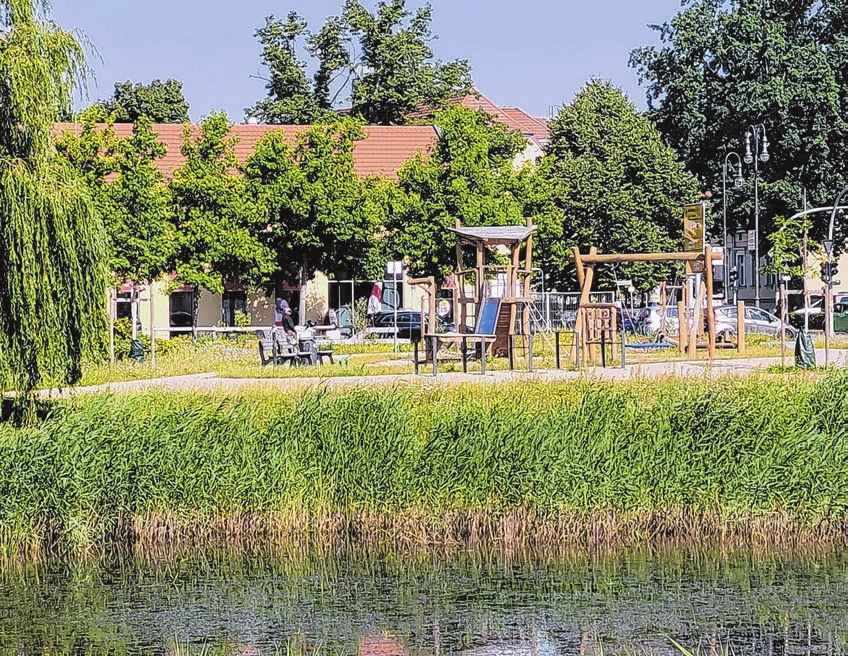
(738, 181)
(760, 153)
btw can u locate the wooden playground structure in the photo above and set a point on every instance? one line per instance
(596, 322)
(494, 293)
(495, 296)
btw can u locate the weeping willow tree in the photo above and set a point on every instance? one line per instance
(52, 243)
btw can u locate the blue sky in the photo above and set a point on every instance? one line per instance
(535, 54)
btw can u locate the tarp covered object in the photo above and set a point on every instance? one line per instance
(805, 354)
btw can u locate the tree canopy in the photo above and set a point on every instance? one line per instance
(725, 65)
(384, 58)
(52, 273)
(130, 193)
(614, 184)
(216, 220)
(321, 214)
(161, 102)
(470, 176)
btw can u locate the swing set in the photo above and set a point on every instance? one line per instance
(596, 322)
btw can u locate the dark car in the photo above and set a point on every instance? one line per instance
(408, 323)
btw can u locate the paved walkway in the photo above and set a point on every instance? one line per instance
(210, 382)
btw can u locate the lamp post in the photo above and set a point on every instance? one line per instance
(738, 181)
(760, 153)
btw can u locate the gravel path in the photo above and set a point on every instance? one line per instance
(210, 382)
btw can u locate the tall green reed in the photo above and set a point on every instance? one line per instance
(730, 446)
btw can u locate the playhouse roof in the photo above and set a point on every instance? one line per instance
(495, 234)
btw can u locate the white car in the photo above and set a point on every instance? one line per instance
(757, 320)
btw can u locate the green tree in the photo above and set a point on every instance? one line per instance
(615, 185)
(291, 98)
(391, 75)
(161, 102)
(397, 71)
(52, 273)
(728, 64)
(322, 216)
(130, 193)
(471, 177)
(217, 223)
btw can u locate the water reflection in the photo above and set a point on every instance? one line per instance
(431, 605)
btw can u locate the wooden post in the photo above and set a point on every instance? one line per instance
(740, 327)
(708, 252)
(582, 319)
(613, 335)
(697, 326)
(152, 330)
(683, 323)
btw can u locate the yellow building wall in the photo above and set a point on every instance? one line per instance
(259, 304)
(317, 295)
(161, 309)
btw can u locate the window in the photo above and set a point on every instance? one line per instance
(231, 303)
(182, 308)
(123, 306)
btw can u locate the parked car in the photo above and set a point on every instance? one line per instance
(630, 319)
(408, 323)
(815, 320)
(757, 320)
(840, 317)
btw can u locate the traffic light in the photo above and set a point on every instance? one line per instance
(825, 272)
(733, 277)
(833, 273)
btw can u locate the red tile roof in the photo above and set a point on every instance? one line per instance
(536, 127)
(381, 153)
(513, 117)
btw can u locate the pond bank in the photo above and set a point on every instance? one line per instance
(585, 464)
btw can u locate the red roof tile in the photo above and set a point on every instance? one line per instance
(381, 153)
(513, 117)
(531, 125)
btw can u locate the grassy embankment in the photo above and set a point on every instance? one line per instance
(539, 465)
(231, 359)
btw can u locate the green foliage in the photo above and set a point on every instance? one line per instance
(130, 193)
(291, 99)
(787, 244)
(399, 74)
(52, 273)
(242, 319)
(161, 102)
(614, 184)
(321, 214)
(217, 223)
(726, 65)
(470, 177)
(392, 70)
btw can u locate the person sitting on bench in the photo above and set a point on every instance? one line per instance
(283, 313)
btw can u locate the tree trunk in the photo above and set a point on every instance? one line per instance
(195, 302)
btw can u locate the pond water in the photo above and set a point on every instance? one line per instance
(402, 605)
